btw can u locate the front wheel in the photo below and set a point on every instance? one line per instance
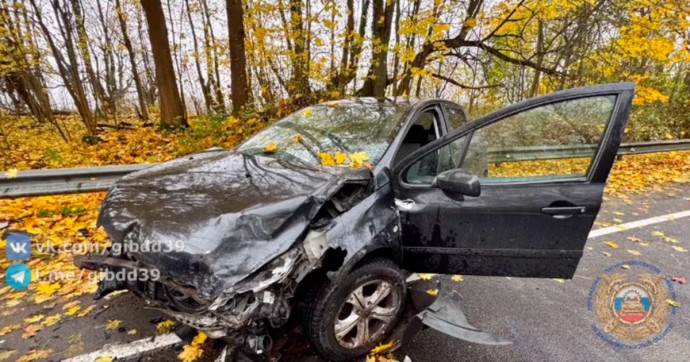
(347, 319)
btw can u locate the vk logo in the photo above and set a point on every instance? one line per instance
(18, 246)
(18, 276)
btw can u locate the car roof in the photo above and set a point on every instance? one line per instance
(393, 101)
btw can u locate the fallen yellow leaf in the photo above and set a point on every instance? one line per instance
(457, 278)
(679, 248)
(112, 324)
(190, 353)
(73, 310)
(49, 321)
(104, 358)
(31, 331)
(634, 252)
(340, 158)
(6, 354)
(612, 244)
(658, 233)
(433, 292)
(9, 328)
(199, 339)
(672, 303)
(86, 311)
(33, 319)
(357, 158)
(327, 159)
(425, 276)
(165, 326)
(34, 355)
(11, 173)
(271, 147)
(47, 288)
(383, 348)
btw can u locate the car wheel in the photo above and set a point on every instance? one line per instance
(346, 319)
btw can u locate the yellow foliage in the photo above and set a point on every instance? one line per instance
(271, 147)
(165, 326)
(9, 328)
(33, 319)
(49, 321)
(327, 159)
(612, 244)
(35, 355)
(112, 324)
(191, 352)
(383, 348)
(4, 355)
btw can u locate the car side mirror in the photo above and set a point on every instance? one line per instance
(458, 181)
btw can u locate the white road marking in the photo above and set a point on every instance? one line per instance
(149, 344)
(125, 350)
(638, 224)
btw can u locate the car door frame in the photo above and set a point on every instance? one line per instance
(623, 91)
(601, 163)
(388, 159)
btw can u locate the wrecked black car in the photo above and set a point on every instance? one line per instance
(242, 236)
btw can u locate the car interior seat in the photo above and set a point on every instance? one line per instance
(415, 138)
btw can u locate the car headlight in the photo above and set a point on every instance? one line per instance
(273, 272)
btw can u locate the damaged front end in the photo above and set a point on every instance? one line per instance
(252, 228)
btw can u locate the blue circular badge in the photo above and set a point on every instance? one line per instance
(18, 276)
(630, 305)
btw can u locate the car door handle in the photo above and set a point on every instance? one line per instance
(563, 212)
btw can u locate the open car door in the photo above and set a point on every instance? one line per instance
(516, 192)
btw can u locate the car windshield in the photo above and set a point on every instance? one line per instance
(346, 127)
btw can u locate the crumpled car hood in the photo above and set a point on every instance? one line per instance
(217, 216)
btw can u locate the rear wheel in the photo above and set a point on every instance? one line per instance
(348, 318)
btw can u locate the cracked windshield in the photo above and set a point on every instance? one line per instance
(345, 133)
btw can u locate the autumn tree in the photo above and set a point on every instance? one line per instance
(172, 113)
(241, 92)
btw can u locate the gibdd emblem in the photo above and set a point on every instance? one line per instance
(631, 307)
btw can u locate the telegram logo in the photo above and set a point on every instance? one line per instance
(18, 276)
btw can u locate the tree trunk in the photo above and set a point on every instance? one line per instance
(377, 76)
(211, 51)
(299, 84)
(205, 89)
(238, 58)
(172, 111)
(83, 43)
(143, 107)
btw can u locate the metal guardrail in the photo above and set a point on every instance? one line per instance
(64, 180)
(558, 152)
(91, 179)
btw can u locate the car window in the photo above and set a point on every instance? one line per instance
(456, 117)
(423, 131)
(550, 142)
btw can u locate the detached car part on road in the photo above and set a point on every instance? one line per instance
(262, 233)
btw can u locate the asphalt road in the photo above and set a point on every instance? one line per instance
(547, 320)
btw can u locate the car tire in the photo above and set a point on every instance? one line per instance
(365, 306)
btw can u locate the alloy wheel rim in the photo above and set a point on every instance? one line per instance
(366, 314)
